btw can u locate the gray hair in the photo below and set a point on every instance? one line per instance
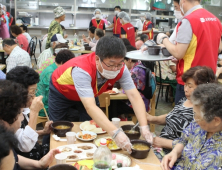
(123, 15)
(209, 98)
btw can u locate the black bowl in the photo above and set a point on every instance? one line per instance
(165, 52)
(86, 44)
(154, 50)
(130, 135)
(63, 167)
(137, 153)
(61, 132)
(88, 48)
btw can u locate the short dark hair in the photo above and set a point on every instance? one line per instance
(110, 46)
(23, 75)
(60, 45)
(125, 41)
(99, 32)
(62, 27)
(63, 56)
(143, 37)
(13, 97)
(200, 75)
(15, 29)
(178, 1)
(24, 27)
(8, 41)
(8, 142)
(208, 97)
(117, 7)
(128, 49)
(155, 38)
(92, 29)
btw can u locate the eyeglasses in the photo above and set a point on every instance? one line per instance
(119, 66)
(196, 120)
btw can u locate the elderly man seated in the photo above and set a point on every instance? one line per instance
(200, 143)
(17, 56)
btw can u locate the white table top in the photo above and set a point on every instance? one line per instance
(138, 55)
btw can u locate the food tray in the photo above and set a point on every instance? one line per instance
(75, 147)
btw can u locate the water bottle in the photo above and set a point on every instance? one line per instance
(75, 39)
(102, 157)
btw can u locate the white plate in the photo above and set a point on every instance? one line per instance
(86, 132)
(74, 49)
(97, 143)
(126, 160)
(93, 132)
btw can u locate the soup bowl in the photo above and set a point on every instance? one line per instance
(63, 167)
(140, 154)
(131, 136)
(165, 52)
(154, 50)
(61, 132)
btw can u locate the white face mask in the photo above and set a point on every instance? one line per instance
(116, 12)
(142, 18)
(108, 74)
(181, 8)
(178, 14)
(97, 16)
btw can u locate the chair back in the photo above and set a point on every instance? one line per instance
(104, 100)
(40, 45)
(32, 46)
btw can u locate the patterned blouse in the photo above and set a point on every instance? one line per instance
(165, 70)
(54, 28)
(46, 63)
(199, 152)
(139, 76)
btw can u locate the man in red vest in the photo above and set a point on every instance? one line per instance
(127, 29)
(116, 22)
(97, 21)
(77, 82)
(147, 26)
(197, 41)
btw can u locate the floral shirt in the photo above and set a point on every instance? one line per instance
(165, 70)
(46, 63)
(199, 152)
(139, 77)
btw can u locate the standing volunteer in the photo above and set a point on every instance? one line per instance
(147, 26)
(116, 22)
(97, 21)
(78, 81)
(194, 46)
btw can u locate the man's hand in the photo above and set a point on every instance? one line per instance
(65, 36)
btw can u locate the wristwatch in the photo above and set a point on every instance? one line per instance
(163, 39)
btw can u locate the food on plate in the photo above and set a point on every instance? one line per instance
(113, 156)
(77, 151)
(72, 157)
(66, 149)
(111, 144)
(89, 154)
(131, 131)
(91, 126)
(119, 165)
(86, 136)
(84, 165)
(85, 147)
(62, 127)
(111, 92)
(140, 147)
(120, 161)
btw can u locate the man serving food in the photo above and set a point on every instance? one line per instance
(80, 80)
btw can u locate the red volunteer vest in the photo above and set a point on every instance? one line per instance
(145, 27)
(116, 26)
(130, 33)
(63, 82)
(203, 48)
(100, 25)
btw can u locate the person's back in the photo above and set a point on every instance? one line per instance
(22, 41)
(130, 33)
(28, 37)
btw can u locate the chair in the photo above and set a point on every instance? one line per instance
(32, 47)
(40, 45)
(42, 120)
(104, 101)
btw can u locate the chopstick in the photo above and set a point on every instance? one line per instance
(46, 114)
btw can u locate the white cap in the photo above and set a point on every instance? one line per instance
(59, 38)
(103, 141)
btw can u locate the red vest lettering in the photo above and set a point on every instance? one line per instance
(100, 25)
(63, 82)
(145, 28)
(203, 48)
(130, 33)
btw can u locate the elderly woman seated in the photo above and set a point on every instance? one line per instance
(200, 143)
(182, 114)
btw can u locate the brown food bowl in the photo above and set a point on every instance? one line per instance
(154, 50)
(137, 153)
(63, 167)
(61, 132)
(165, 52)
(86, 44)
(88, 48)
(131, 136)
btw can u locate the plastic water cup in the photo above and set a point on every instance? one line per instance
(60, 158)
(71, 137)
(116, 121)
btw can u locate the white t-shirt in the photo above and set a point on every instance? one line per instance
(27, 36)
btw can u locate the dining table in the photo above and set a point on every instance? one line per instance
(2, 66)
(151, 162)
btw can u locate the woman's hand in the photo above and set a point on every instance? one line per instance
(86, 40)
(47, 159)
(145, 132)
(36, 105)
(169, 160)
(157, 142)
